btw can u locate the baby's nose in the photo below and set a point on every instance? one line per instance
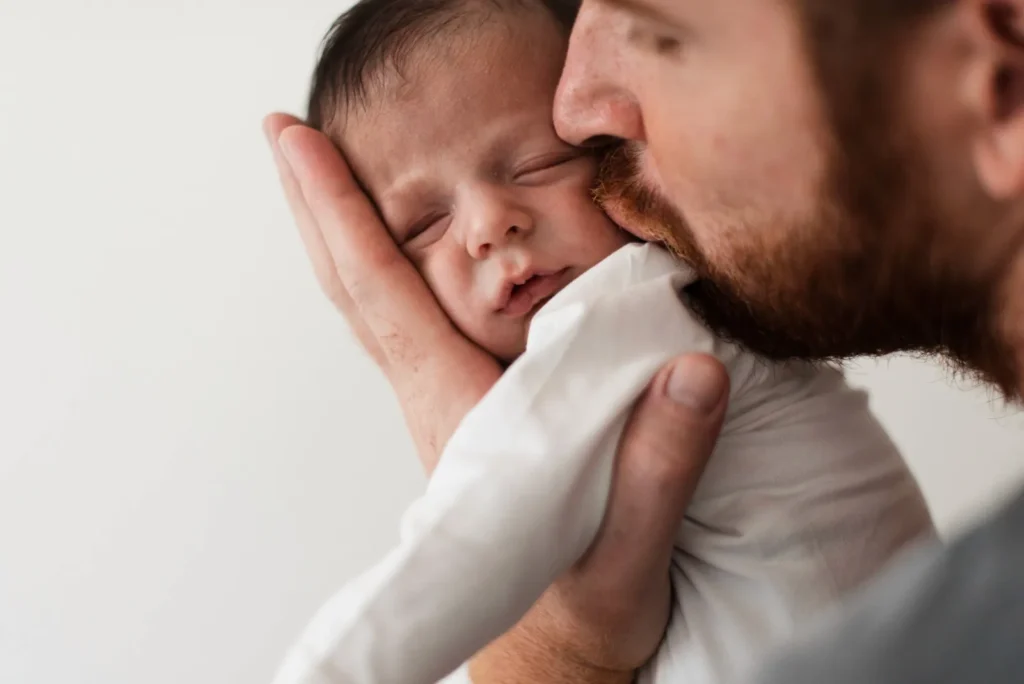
(489, 239)
(496, 225)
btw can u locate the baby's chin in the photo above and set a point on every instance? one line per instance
(510, 343)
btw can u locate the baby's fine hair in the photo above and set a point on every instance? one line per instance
(375, 39)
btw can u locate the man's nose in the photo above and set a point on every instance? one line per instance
(495, 222)
(593, 105)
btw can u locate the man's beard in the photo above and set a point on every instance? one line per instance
(872, 273)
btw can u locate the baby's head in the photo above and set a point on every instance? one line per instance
(443, 109)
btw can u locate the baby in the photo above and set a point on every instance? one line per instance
(443, 108)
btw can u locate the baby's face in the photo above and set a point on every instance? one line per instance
(462, 161)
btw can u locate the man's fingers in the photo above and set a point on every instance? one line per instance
(437, 373)
(621, 588)
(667, 442)
(388, 292)
(316, 248)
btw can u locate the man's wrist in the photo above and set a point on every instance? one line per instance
(437, 393)
(523, 657)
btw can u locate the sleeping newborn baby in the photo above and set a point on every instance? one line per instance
(443, 108)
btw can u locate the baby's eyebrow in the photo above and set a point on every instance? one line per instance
(399, 201)
(513, 136)
(409, 187)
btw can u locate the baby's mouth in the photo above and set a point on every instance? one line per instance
(526, 297)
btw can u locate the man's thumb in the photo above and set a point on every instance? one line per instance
(696, 382)
(673, 430)
(664, 448)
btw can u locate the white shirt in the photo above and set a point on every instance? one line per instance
(804, 498)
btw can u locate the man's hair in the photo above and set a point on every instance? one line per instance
(375, 37)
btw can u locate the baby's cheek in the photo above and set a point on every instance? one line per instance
(500, 336)
(506, 338)
(449, 282)
(451, 279)
(598, 236)
(584, 234)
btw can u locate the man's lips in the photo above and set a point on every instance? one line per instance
(523, 298)
(647, 228)
(619, 212)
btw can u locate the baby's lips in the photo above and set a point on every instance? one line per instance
(524, 298)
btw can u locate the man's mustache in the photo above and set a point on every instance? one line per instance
(618, 177)
(622, 192)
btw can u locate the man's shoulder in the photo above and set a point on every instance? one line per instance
(952, 614)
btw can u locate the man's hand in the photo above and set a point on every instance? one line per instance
(437, 373)
(605, 617)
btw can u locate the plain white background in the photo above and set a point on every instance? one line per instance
(193, 452)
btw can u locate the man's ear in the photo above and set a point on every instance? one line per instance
(996, 93)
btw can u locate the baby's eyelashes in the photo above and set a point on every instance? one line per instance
(536, 170)
(423, 229)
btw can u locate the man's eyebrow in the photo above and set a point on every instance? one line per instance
(638, 7)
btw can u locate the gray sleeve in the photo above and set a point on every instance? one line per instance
(942, 615)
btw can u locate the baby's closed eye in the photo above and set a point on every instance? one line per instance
(423, 228)
(544, 169)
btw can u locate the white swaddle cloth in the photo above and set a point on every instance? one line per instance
(804, 497)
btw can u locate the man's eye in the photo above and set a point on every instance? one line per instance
(666, 45)
(654, 41)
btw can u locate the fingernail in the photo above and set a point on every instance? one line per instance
(268, 134)
(284, 148)
(696, 383)
(283, 168)
(291, 157)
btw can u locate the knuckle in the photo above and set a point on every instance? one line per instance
(335, 292)
(334, 191)
(367, 279)
(665, 449)
(399, 351)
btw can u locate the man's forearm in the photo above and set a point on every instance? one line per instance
(523, 657)
(437, 397)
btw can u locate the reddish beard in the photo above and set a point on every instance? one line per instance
(869, 280)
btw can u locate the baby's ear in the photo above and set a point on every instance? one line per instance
(995, 93)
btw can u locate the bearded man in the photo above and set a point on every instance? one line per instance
(848, 178)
